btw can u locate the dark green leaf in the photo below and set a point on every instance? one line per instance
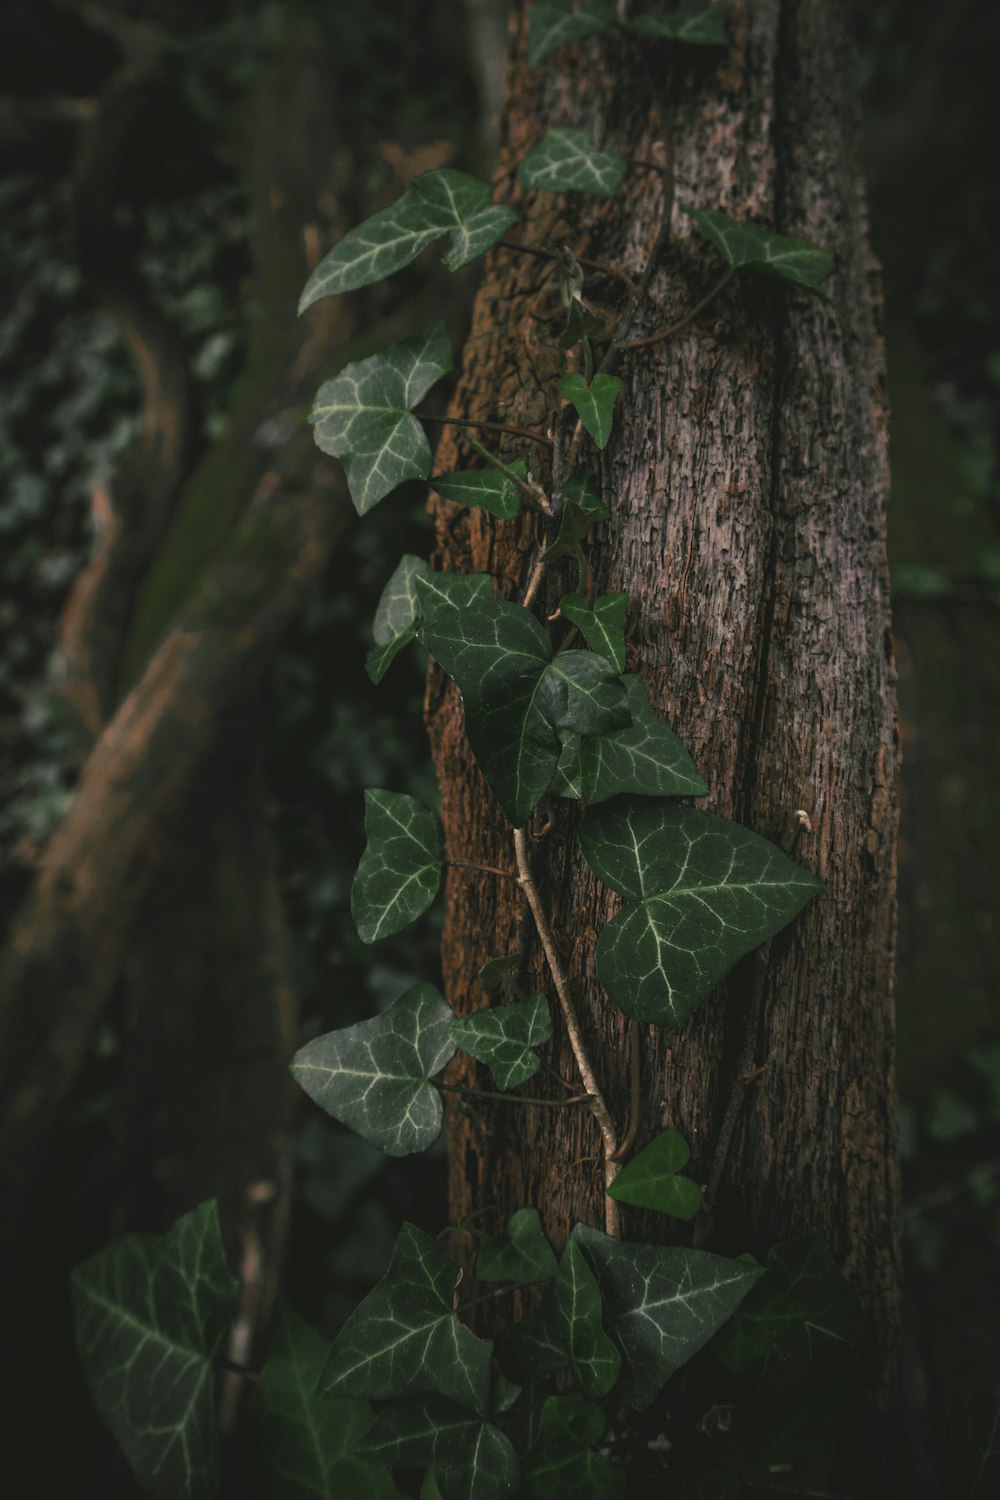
(765, 1316)
(442, 202)
(496, 970)
(602, 624)
(973, 1447)
(567, 1329)
(561, 1464)
(151, 1313)
(594, 403)
(646, 759)
(662, 1304)
(400, 870)
(582, 509)
(555, 23)
(567, 781)
(472, 1459)
(830, 1334)
(581, 324)
(306, 1440)
(453, 590)
(522, 1254)
(375, 1076)
(565, 161)
(485, 489)
(746, 247)
(504, 1037)
(696, 25)
(708, 891)
(582, 692)
(650, 1179)
(365, 417)
(380, 658)
(396, 617)
(430, 1490)
(404, 1338)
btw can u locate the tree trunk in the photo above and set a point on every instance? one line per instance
(746, 478)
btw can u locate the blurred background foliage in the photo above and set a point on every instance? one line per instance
(411, 81)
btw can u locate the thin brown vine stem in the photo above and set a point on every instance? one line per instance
(601, 1113)
(474, 1093)
(628, 1140)
(689, 317)
(470, 864)
(534, 582)
(534, 493)
(603, 267)
(522, 432)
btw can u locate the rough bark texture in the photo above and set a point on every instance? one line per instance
(746, 476)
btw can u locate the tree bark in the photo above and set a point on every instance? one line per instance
(746, 476)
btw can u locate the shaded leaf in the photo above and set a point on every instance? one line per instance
(567, 1329)
(830, 1333)
(973, 1442)
(582, 509)
(375, 1076)
(594, 403)
(503, 1039)
(696, 25)
(453, 590)
(568, 781)
(561, 1464)
(400, 870)
(151, 1312)
(485, 489)
(364, 416)
(647, 759)
(565, 161)
(522, 1254)
(708, 891)
(650, 1179)
(555, 23)
(496, 970)
(582, 692)
(662, 1304)
(765, 1316)
(472, 1459)
(404, 1338)
(746, 247)
(602, 624)
(396, 615)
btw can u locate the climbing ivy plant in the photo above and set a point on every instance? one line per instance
(406, 1386)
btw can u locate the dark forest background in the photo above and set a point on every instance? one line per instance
(184, 186)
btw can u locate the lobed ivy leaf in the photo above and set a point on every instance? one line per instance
(707, 891)
(650, 1179)
(404, 1337)
(594, 403)
(761, 1320)
(747, 247)
(375, 1076)
(522, 1254)
(582, 692)
(582, 509)
(151, 1313)
(396, 615)
(567, 1329)
(452, 591)
(473, 1460)
(830, 1332)
(662, 1304)
(602, 624)
(485, 489)
(561, 1464)
(305, 1440)
(503, 1039)
(646, 759)
(437, 203)
(364, 416)
(565, 161)
(400, 870)
(696, 25)
(555, 23)
(497, 970)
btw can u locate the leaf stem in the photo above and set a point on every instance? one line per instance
(524, 432)
(470, 864)
(534, 493)
(604, 267)
(689, 317)
(460, 1088)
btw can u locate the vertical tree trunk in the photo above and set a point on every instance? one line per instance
(746, 478)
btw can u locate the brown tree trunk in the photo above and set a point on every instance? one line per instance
(746, 476)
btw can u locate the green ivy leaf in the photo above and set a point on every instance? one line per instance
(305, 1440)
(561, 1464)
(567, 781)
(151, 1312)
(582, 692)
(375, 1076)
(746, 247)
(472, 1459)
(647, 759)
(707, 892)
(429, 1490)
(765, 1316)
(662, 1304)
(522, 1254)
(582, 510)
(400, 870)
(830, 1333)
(650, 1179)
(437, 203)
(364, 416)
(565, 161)
(484, 489)
(452, 591)
(496, 970)
(601, 624)
(696, 25)
(396, 616)
(595, 403)
(555, 23)
(503, 1039)
(567, 1329)
(404, 1337)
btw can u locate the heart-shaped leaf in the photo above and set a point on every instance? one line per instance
(404, 1337)
(306, 1440)
(582, 509)
(595, 403)
(662, 1304)
(747, 247)
(151, 1314)
(582, 692)
(400, 870)
(496, 971)
(567, 1330)
(763, 1318)
(830, 1333)
(696, 25)
(707, 892)
(484, 489)
(503, 1039)
(364, 416)
(396, 616)
(555, 23)
(561, 1464)
(375, 1076)
(650, 1179)
(452, 591)
(646, 759)
(522, 1254)
(602, 624)
(565, 161)
(472, 1458)
(442, 202)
